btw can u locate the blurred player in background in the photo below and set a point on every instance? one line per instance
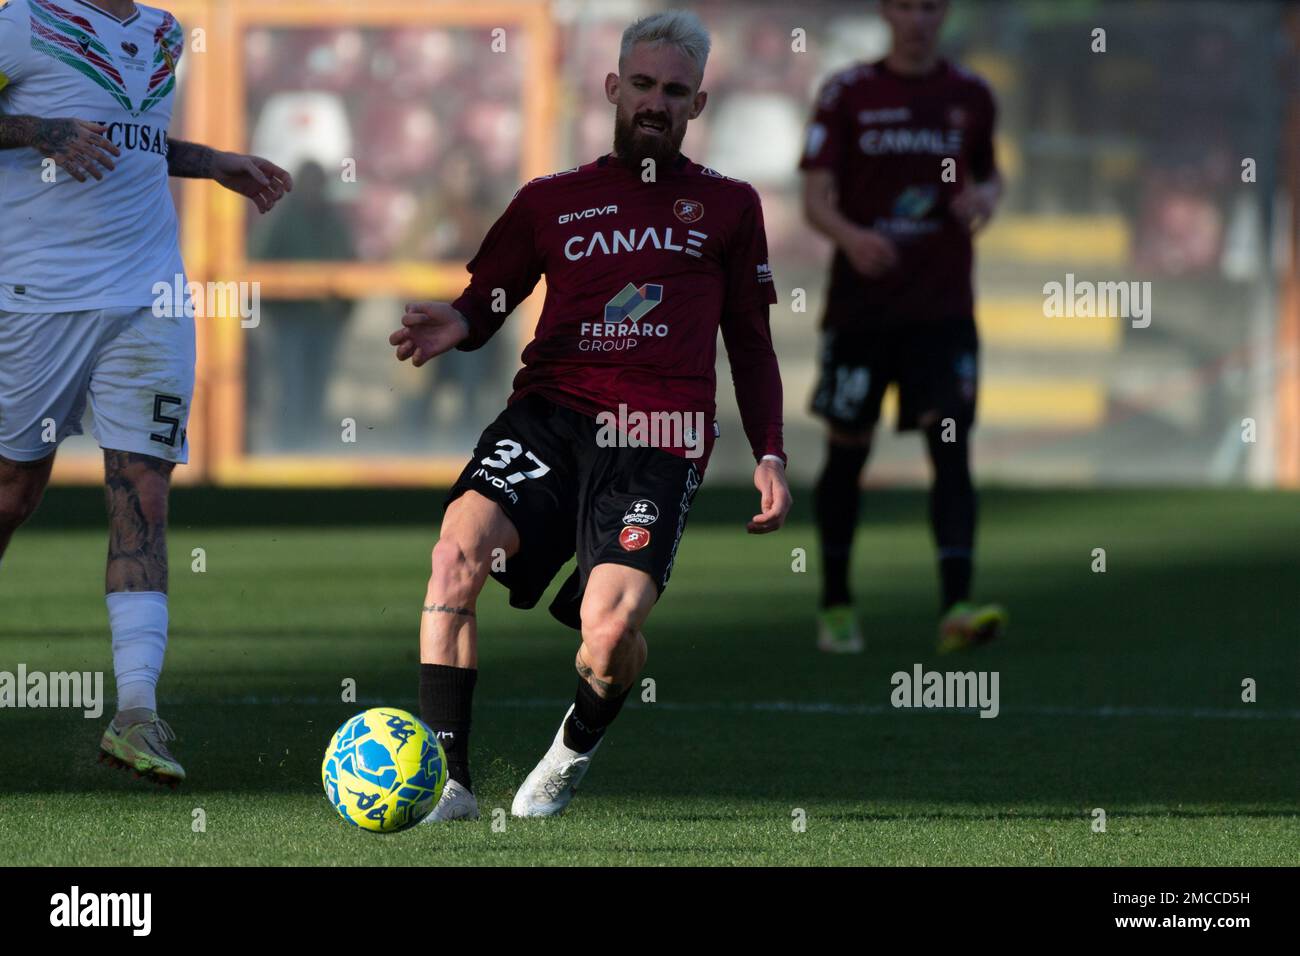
(899, 172)
(89, 86)
(646, 255)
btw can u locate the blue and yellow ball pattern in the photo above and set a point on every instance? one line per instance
(384, 770)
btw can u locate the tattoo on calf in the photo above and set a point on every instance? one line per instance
(448, 609)
(603, 688)
(137, 538)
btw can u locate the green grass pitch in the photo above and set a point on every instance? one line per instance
(1119, 691)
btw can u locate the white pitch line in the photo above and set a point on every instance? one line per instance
(808, 707)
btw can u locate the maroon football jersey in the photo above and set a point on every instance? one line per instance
(885, 136)
(640, 276)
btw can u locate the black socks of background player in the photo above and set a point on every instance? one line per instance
(591, 717)
(952, 513)
(446, 698)
(836, 502)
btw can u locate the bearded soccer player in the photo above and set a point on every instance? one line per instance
(899, 172)
(646, 255)
(85, 239)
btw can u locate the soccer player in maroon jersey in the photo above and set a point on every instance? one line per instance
(646, 256)
(899, 172)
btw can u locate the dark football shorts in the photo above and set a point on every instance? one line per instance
(936, 366)
(566, 495)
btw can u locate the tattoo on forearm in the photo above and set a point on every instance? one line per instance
(603, 688)
(137, 527)
(190, 160)
(448, 609)
(47, 135)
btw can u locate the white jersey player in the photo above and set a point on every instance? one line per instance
(88, 229)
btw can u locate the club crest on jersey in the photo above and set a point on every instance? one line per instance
(633, 539)
(642, 512)
(688, 210)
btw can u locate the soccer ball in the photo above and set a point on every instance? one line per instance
(384, 770)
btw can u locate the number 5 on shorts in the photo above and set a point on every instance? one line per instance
(168, 439)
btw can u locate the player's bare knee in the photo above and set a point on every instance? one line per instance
(16, 506)
(607, 636)
(21, 490)
(457, 572)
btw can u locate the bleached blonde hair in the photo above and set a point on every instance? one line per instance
(679, 28)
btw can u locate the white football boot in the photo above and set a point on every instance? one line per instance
(549, 788)
(456, 803)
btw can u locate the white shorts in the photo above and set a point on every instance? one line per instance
(137, 369)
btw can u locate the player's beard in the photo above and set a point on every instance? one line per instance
(635, 147)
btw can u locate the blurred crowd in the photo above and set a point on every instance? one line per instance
(407, 144)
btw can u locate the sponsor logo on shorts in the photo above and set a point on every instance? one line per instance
(633, 539)
(688, 210)
(693, 479)
(499, 483)
(643, 512)
(506, 451)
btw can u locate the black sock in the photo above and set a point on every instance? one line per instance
(836, 502)
(952, 513)
(446, 699)
(591, 717)
(954, 580)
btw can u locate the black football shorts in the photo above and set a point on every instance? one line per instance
(936, 366)
(566, 495)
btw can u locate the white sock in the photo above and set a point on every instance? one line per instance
(138, 620)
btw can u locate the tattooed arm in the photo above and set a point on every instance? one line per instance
(75, 145)
(190, 160)
(259, 179)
